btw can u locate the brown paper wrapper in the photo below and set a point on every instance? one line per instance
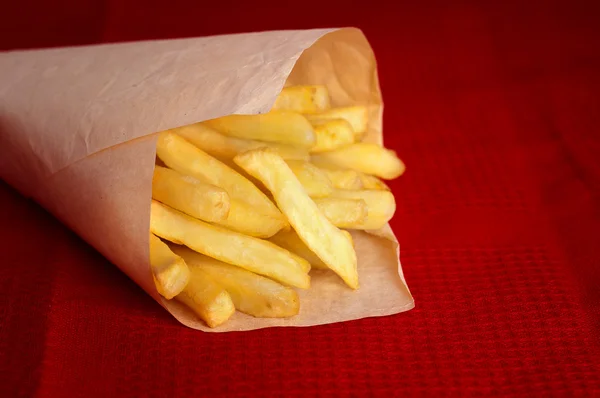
(78, 135)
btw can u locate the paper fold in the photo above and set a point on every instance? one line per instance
(77, 134)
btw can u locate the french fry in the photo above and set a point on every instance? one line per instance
(231, 164)
(316, 231)
(181, 155)
(303, 99)
(252, 203)
(290, 240)
(189, 195)
(341, 178)
(315, 182)
(252, 294)
(372, 182)
(253, 254)
(381, 206)
(357, 116)
(240, 217)
(209, 300)
(225, 147)
(332, 134)
(171, 273)
(343, 213)
(244, 219)
(283, 127)
(364, 157)
(304, 264)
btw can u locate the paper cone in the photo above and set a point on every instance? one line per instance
(78, 135)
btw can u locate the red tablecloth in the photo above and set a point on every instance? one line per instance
(495, 109)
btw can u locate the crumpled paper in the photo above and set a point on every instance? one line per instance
(78, 135)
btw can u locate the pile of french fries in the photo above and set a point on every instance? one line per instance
(244, 206)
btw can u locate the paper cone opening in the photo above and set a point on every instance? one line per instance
(78, 135)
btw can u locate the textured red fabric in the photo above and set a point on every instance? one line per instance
(494, 107)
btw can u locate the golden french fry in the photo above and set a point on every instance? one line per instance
(181, 155)
(341, 178)
(357, 116)
(251, 253)
(305, 265)
(209, 300)
(231, 164)
(316, 231)
(284, 127)
(332, 134)
(315, 182)
(381, 206)
(364, 157)
(171, 274)
(252, 294)
(244, 219)
(372, 182)
(290, 240)
(189, 195)
(303, 99)
(225, 147)
(343, 213)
